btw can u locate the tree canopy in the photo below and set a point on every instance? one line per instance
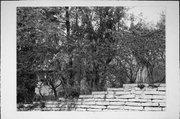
(76, 50)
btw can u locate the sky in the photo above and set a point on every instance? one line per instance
(150, 14)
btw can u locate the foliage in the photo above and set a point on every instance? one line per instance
(75, 50)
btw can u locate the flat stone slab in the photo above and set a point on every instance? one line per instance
(86, 96)
(154, 93)
(162, 104)
(122, 93)
(99, 99)
(153, 109)
(111, 92)
(125, 96)
(36, 109)
(94, 110)
(88, 99)
(152, 97)
(133, 108)
(82, 106)
(161, 88)
(139, 92)
(116, 103)
(89, 103)
(150, 104)
(115, 107)
(151, 89)
(160, 85)
(99, 93)
(80, 109)
(110, 96)
(133, 104)
(115, 89)
(102, 103)
(139, 100)
(117, 100)
(99, 96)
(113, 110)
(159, 100)
(52, 103)
(91, 107)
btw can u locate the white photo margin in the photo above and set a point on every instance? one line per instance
(8, 62)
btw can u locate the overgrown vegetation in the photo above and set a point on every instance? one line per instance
(77, 50)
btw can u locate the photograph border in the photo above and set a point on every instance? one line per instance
(8, 62)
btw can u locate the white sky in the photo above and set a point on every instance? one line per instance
(150, 14)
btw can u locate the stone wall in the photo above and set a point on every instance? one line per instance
(128, 98)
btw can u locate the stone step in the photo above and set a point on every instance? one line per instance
(115, 107)
(153, 109)
(113, 110)
(122, 93)
(102, 103)
(99, 99)
(134, 85)
(80, 109)
(37, 109)
(160, 85)
(160, 97)
(162, 104)
(115, 89)
(117, 103)
(89, 103)
(99, 96)
(149, 92)
(159, 100)
(94, 110)
(150, 104)
(161, 89)
(117, 100)
(154, 93)
(52, 103)
(133, 104)
(151, 89)
(110, 96)
(139, 100)
(91, 106)
(151, 97)
(133, 108)
(128, 98)
(88, 99)
(99, 93)
(86, 96)
(125, 96)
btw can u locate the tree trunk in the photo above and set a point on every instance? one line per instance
(96, 79)
(69, 46)
(54, 90)
(67, 23)
(64, 85)
(150, 73)
(131, 76)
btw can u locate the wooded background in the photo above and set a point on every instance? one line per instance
(77, 50)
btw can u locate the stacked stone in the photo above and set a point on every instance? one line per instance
(128, 98)
(59, 106)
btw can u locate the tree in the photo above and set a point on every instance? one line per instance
(153, 52)
(26, 56)
(76, 50)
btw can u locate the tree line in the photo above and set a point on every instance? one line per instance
(77, 50)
